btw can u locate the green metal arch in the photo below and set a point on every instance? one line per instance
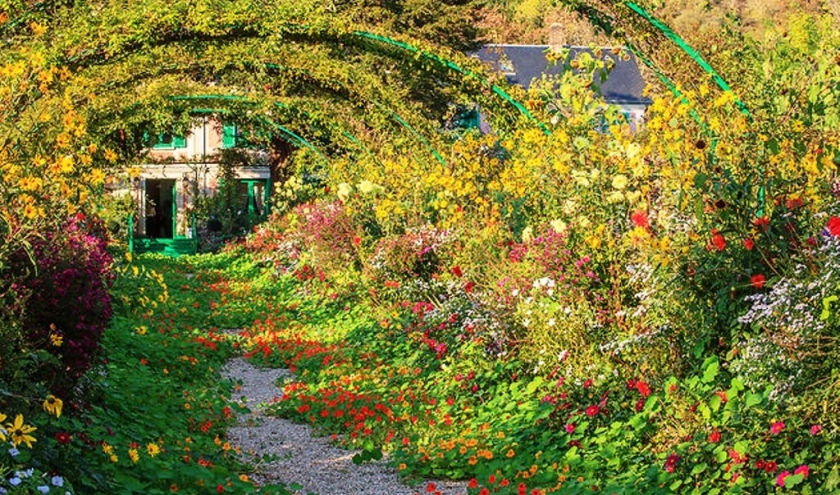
(393, 114)
(212, 97)
(357, 37)
(397, 118)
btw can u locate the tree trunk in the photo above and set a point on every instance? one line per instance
(280, 161)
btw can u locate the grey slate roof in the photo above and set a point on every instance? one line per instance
(624, 84)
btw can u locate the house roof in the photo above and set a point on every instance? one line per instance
(523, 63)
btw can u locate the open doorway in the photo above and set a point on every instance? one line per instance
(160, 208)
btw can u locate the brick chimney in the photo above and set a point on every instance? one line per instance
(556, 36)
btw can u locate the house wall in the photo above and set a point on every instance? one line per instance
(195, 170)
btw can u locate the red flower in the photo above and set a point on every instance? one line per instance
(484, 491)
(570, 428)
(671, 462)
(816, 429)
(643, 388)
(640, 219)
(780, 480)
(757, 281)
(793, 203)
(718, 242)
(803, 470)
(469, 287)
(762, 222)
(749, 244)
(834, 226)
(431, 487)
(220, 489)
(592, 410)
(473, 483)
(63, 437)
(736, 457)
(357, 240)
(587, 383)
(456, 270)
(491, 479)
(777, 427)
(714, 436)
(770, 466)
(640, 404)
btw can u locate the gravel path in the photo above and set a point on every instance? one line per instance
(301, 457)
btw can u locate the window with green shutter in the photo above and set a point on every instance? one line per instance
(168, 141)
(228, 136)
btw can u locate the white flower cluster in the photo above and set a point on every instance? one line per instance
(618, 346)
(786, 325)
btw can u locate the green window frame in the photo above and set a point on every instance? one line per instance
(169, 141)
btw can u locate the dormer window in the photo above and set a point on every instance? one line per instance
(506, 67)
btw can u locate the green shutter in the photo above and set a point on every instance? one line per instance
(229, 136)
(179, 142)
(164, 141)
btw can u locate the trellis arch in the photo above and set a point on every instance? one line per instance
(455, 68)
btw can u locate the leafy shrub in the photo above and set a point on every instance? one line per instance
(327, 232)
(417, 253)
(64, 304)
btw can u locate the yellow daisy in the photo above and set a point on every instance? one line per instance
(19, 432)
(53, 405)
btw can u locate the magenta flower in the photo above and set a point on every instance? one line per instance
(671, 462)
(816, 429)
(570, 428)
(592, 410)
(777, 427)
(780, 479)
(803, 470)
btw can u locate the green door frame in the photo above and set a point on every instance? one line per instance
(252, 199)
(175, 209)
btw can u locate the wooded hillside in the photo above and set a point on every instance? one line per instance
(528, 21)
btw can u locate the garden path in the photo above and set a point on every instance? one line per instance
(301, 457)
